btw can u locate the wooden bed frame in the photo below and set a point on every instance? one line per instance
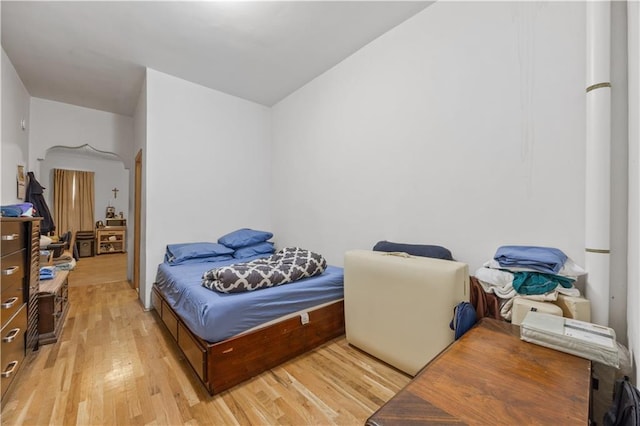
(222, 365)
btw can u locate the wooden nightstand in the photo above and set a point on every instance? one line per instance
(111, 239)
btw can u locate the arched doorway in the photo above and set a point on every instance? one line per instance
(112, 179)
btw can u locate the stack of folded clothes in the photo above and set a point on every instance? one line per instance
(17, 210)
(537, 273)
(47, 272)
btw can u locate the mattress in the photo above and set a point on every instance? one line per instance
(217, 316)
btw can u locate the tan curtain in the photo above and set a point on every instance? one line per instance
(74, 200)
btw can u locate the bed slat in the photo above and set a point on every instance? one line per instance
(170, 320)
(196, 354)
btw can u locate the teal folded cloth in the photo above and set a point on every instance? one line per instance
(538, 283)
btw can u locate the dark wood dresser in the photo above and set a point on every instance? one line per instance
(20, 272)
(491, 377)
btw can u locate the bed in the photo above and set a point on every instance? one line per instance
(229, 338)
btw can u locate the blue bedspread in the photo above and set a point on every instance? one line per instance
(217, 316)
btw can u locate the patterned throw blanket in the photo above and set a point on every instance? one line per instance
(288, 265)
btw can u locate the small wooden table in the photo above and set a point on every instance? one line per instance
(490, 376)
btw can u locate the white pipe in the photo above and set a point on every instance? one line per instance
(598, 159)
(633, 250)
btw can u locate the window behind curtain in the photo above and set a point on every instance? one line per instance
(74, 200)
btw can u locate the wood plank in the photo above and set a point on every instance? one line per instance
(491, 376)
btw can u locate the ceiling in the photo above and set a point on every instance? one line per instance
(94, 53)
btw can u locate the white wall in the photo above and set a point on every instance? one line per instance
(15, 141)
(207, 166)
(633, 294)
(619, 173)
(462, 127)
(140, 145)
(60, 124)
(109, 174)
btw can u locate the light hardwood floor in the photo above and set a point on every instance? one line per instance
(115, 365)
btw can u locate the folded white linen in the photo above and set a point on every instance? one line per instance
(500, 283)
(495, 281)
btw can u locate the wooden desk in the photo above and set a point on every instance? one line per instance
(490, 376)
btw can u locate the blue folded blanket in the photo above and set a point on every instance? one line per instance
(543, 259)
(17, 210)
(47, 272)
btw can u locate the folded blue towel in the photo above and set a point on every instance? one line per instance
(11, 211)
(47, 272)
(543, 259)
(16, 210)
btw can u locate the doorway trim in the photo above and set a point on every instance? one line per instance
(137, 219)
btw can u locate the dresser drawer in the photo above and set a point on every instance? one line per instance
(12, 300)
(12, 346)
(12, 270)
(12, 236)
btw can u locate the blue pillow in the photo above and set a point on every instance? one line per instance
(178, 253)
(423, 250)
(260, 248)
(219, 258)
(244, 237)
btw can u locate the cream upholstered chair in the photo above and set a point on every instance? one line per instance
(398, 307)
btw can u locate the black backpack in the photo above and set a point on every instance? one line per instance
(625, 409)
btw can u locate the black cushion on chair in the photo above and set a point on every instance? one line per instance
(423, 250)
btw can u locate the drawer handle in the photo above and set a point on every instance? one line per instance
(10, 271)
(11, 367)
(10, 337)
(9, 303)
(10, 237)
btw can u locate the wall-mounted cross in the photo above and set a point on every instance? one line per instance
(115, 192)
